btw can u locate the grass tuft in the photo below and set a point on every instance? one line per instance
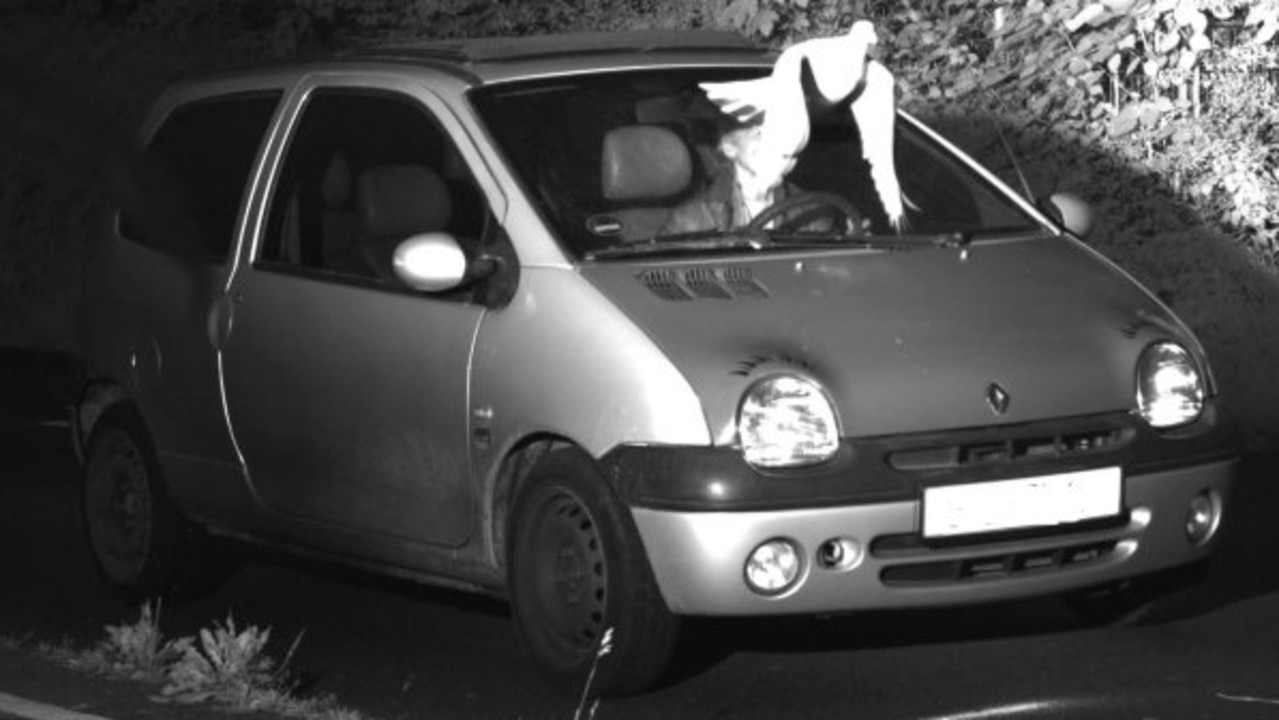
(228, 666)
(223, 665)
(136, 651)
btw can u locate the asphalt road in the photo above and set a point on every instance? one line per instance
(394, 650)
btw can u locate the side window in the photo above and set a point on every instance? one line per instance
(193, 175)
(364, 171)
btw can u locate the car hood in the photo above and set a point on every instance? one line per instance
(903, 341)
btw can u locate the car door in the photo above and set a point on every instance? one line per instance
(149, 284)
(347, 392)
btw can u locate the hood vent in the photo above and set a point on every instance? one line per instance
(703, 282)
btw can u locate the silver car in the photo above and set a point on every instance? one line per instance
(423, 310)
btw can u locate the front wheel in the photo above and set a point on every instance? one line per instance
(578, 575)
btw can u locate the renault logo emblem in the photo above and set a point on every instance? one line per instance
(997, 398)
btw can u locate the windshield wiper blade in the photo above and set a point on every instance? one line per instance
(688, 242)
(717, 240)
(877, 242)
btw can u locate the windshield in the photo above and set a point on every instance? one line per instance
(634, 160)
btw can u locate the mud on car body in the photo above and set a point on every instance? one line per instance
(415, 309)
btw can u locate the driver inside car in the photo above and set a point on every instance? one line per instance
(744, 183)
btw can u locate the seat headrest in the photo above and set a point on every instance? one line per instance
(402, 200)
(644, 162)
(336, 185)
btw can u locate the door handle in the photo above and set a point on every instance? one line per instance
(221, 319)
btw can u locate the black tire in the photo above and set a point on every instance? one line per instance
(143, 547)
(577, 571)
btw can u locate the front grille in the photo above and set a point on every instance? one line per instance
(997, 566)
(1013, 449)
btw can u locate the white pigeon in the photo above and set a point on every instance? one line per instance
(840, 68)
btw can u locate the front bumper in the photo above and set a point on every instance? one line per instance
(698, 556)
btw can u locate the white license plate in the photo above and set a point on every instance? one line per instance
(1040, 501)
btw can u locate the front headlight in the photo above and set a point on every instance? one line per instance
(1170, 390)
(785, 421)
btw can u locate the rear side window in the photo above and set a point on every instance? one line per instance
(191, 179)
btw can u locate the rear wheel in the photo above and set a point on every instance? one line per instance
(578, 573)
(142, 545)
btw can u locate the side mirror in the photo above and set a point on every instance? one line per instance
(434, 262)
(1071, 212)
(430, 262)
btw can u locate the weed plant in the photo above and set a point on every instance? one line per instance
(222, 664)
(228, 666)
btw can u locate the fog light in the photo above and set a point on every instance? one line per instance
(1202, 518)
(773, 567)
(839, 554)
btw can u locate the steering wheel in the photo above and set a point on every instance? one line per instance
(816, 205)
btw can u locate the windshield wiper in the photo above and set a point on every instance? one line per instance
(872, 242)
(686, 242)
(754, 241)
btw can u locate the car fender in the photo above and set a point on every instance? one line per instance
(563, 360)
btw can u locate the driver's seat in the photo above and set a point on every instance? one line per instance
(646, 167)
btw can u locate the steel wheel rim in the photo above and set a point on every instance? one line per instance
(569, 573)
(119, 511)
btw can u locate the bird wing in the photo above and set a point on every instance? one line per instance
(777, 102)
(745, 100)
(838, 65)
(875, 111)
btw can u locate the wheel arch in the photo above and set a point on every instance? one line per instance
(512, 474)
(96, 398)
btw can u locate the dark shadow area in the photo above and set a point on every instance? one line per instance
(886, 629)
(37, 385)
(404, 589)
(52, 590)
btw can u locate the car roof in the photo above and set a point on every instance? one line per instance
(492, 60)
(498, 59)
